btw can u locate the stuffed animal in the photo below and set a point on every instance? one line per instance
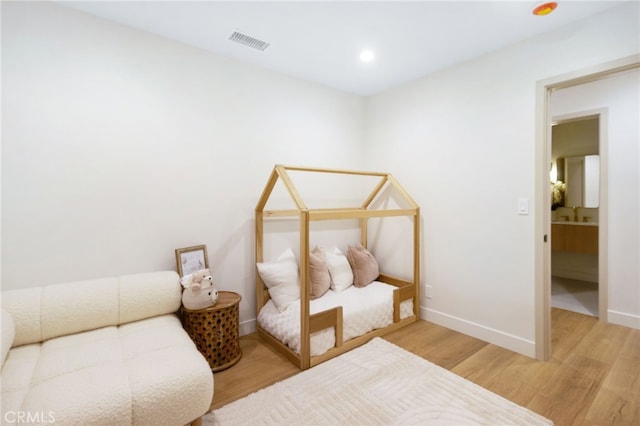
(199, 292)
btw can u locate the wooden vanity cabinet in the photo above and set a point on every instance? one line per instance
(574, 238)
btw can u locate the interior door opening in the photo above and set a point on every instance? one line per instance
(543, 220)
(575, 206)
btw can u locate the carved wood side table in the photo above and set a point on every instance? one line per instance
(216, 330)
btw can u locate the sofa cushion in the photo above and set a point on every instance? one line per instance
(147, 295)
(16, 374)
(42, 313)
(8, 333)
(145, 372)
(24, 306)
(78, 306)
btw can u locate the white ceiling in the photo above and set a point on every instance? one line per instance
(321, 41)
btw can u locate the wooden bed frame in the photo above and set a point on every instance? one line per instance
(405, 289)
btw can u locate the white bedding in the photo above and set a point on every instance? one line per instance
(363, 309)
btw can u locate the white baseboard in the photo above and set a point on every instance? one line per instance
(621, 318)
(505, 340)
(496, 337)
(247, 327)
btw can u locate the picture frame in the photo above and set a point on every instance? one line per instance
(191, 259)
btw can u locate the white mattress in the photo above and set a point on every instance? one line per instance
(363, 309)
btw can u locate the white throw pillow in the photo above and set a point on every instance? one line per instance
(339, 268)
(282, 279)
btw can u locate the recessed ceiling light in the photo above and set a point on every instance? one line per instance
(367, 56)
(545, 8)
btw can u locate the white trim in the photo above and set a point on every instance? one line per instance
(542, 273)
(247, 327)
(543, 217)
(603, 218)
(622, 318)
(478, 331)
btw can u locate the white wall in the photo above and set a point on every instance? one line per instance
(119, 147)
(462, 141)
(574, 138)
(620, 96)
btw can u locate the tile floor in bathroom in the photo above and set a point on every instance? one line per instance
(574, 295)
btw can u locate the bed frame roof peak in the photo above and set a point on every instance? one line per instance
(281, 172)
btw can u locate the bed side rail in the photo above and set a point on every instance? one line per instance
(401, 294)
(395, 281)
(405, 290)
(325, 319)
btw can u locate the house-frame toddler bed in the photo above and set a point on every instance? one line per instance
(403, 291)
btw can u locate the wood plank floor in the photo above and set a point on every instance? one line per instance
(593, 377)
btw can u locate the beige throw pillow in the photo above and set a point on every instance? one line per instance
(364, 265)
(319, 275)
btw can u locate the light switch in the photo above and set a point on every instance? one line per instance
(523, 206)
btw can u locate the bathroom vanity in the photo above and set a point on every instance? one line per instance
(576, 237)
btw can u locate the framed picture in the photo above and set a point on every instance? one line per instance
(191, 259)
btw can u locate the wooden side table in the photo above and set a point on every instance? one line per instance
(216, 330)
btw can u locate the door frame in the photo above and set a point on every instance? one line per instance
(543, 191)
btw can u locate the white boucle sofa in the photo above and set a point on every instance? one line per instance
(102, 352)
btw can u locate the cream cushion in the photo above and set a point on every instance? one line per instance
(77, 363)
(339, 268)
(113, 375)
(8, 333)
(42, 313)
(282, 279)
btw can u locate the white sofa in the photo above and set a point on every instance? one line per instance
(102, 352)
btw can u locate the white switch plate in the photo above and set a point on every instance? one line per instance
(523, 206)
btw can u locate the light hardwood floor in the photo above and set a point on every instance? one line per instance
(593, 377)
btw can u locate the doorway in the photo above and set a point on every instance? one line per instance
(543, 221)
(575, 210)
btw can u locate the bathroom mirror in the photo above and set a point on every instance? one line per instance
(582, 178)
(575, 173)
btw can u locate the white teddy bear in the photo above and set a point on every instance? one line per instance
(199, 292)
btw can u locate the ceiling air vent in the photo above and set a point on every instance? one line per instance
(248, 40)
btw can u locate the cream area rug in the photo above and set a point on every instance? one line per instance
(376, 384)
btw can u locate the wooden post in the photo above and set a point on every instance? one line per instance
(416, 261)
(305, 335)
(259, 258)
(363, 232)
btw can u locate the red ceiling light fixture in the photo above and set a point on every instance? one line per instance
(545, 8)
